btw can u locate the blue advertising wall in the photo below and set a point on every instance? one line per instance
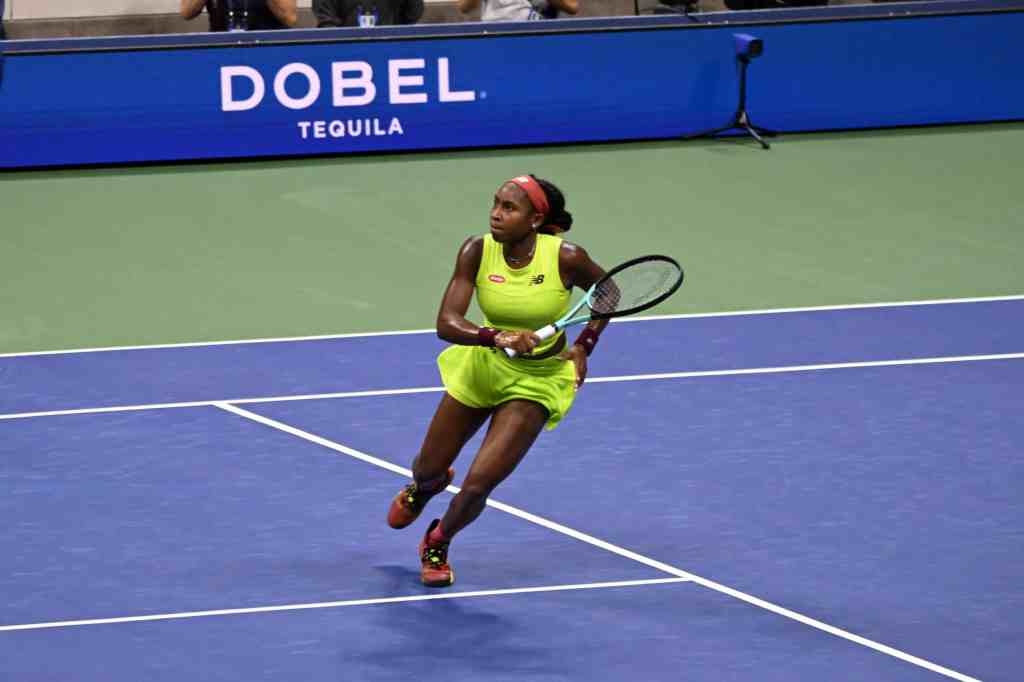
(638, 81)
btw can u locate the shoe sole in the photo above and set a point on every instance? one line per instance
(439, 583)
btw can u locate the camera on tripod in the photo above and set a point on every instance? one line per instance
(747, 47)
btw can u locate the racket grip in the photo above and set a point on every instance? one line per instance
(544, 333)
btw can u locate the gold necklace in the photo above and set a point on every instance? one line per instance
(517, 259)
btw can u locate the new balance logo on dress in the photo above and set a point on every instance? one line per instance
(537, 279)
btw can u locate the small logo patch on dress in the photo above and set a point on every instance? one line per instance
(537, 279)
(497, 279)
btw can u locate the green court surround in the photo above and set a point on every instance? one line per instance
(131, 256)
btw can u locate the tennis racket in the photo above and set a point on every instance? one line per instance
(628, 288)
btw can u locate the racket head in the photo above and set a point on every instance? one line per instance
(634, 286)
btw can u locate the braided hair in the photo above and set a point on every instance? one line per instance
(558, 219)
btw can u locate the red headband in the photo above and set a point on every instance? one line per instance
(534, 191)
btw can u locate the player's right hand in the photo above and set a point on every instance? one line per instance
(521, 342)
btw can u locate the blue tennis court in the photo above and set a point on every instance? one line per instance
(808, 494)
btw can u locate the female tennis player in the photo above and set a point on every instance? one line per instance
(523, 276)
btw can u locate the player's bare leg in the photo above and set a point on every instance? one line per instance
(514, 427)
(452, 426)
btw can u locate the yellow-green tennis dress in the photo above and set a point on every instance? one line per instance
(514, 300)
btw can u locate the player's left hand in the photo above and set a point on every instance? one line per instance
(578, 356)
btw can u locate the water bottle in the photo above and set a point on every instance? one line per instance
(238, 15)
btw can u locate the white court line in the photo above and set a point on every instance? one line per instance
(637, 318)
(336, 604)
(593, 380)
(809, 368)
(200, 344)
(822, 308)
(565, 530)
(402, 471)
(207, 403)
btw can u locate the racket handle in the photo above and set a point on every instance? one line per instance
(544, 333)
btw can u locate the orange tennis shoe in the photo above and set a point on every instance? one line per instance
(435, 571)
(408, 503)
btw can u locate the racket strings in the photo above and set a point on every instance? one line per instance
(635, 286)
(606, 297)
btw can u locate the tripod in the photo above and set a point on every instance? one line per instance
(741, 120)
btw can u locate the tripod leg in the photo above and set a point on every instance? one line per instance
(764, 131)
(750, 129)
(709, 133)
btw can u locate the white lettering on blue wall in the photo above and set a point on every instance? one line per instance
(352, 84)
(352, 127)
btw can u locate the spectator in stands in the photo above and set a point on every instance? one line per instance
(2, 36)
(366, 12)
(243, 15)
(518, 10)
